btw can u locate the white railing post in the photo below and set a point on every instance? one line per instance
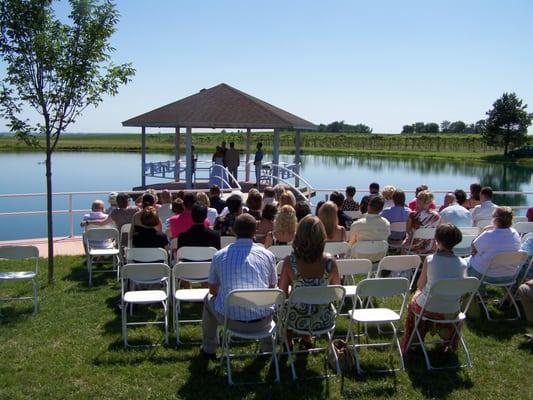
(70, 215)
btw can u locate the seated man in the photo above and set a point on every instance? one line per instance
(399, 213)
(97, 214)
(215, 199)
(371, 226)
(373, 189)
(455, 214)
(241, 265)
(486, 208)
(198, 235)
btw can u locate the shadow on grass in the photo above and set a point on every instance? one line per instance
(440, 383)
(101, 275)
(499, 329)
(526, 345)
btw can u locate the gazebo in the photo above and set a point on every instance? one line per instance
(220, 107)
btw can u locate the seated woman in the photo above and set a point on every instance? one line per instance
(387, 192)
(474, 199)
(328, 215)
(423, 217)
(284, 227)
(212, 213)
(494, 240)
(302, 210)
(267, 222)
(287, 198)
(441, 265)
(147, 200)
(148, 235)
(254, 202)
(398, 213)
(309, 266)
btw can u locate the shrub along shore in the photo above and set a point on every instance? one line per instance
(449, 146)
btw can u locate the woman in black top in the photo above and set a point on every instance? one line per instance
(148, 235)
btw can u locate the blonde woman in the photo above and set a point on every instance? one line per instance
(387, 193)
(212, 213)
(329, 217)
(423, 217)
(287, 198)
(284, 227)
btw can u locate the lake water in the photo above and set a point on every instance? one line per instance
(77, 172)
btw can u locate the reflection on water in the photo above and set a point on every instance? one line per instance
(72, 172)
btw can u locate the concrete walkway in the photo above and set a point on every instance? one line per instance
(63, 246)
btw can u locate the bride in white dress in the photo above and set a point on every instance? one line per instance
(218, 172)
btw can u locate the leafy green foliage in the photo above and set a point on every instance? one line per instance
(507, 123)
(342, 127)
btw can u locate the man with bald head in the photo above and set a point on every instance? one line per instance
(241, 265)
(454, 213)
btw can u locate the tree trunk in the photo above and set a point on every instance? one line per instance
(49, 215)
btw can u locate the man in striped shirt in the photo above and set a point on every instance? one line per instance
(241, 265)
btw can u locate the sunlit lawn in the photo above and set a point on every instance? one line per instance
(73, 348)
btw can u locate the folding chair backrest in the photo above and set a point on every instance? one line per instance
(354, 214)
(452, 288)
(424, 233)
(336, 248)
(102, 234)
(523, 227)
(482, 223)
(18, 252)
(399, 263)
(517, 219)
(191, 271)
(125, 231)
(226, 240)
(145, 272)
(192, 253)
(398, 227)
(147, 255)
(507, 259)
(317, 295)
(382, 287)
(279, 267)
(469, 230)
(370, 249)
(281, 251)
(465, 243)
(254, 298)
(351, 267)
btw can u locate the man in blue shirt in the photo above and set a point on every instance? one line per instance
(241, 265)
(257, 162)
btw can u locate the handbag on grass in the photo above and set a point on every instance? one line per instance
(344, 355)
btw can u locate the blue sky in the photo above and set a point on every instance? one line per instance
(382, 63)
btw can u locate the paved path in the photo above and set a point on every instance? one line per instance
(63, 246)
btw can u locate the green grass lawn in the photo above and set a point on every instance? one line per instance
(72, 348)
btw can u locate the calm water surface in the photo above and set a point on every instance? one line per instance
(73, 172)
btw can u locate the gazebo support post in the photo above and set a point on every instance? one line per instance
(297, 144)
(143, 156)
(177, 155)
(247, 165)
(275, 156)
(188, 149)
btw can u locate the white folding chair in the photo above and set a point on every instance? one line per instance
(192, 253)
(125, 231)
(405, 265)
(354, 215)
(348, 270)
(397, 228)
(146, 255)
(173, 250)
(30, 253)
(226, 241)
(444, 290)
(144, 273)
(469, 230)
(337, 249)
(517, 219)
(319, 296)
(281, 251)
(279, 267)
(251, 298)
(523, 228)
(482, 223)
(377, 287)
(192, 272)
(422, 234)
(101, 235)
(373, 250)
(513, 259)
(464, 247)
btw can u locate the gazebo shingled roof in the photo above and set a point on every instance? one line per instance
(221, 106)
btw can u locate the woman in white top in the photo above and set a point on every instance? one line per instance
(441, 265)
(212, 213)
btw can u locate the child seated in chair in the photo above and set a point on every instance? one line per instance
(444, 264)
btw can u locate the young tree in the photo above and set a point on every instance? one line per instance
(57, 69)
(507, 123)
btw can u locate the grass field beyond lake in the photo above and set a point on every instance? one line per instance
(72, 349)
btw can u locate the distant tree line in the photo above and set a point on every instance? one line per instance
(342, 127)
(445, 127)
